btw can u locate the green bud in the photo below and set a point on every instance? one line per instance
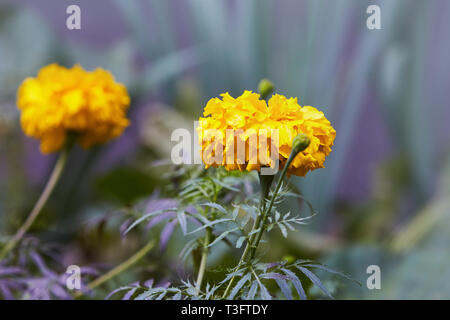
(300, 143)
(289, 259)
(265, 88)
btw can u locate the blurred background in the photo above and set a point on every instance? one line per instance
(383, 198)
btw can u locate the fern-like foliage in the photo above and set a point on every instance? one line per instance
(197, 207)
(256, 278)
(147, 291)
(213, 201)
(254, 283)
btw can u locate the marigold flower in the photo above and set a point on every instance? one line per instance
(61, 101)
(248, 115)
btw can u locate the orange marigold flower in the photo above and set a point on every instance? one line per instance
(60, 101)
(248, 116)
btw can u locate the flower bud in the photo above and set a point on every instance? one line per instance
(265, 88)
(300, 143)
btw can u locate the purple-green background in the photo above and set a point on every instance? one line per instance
(386, 92)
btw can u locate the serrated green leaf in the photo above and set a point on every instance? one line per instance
(252, 292)
(240, 241)
(215, 206)
(181, 216)
(315, 280)
(239, 285)
(210, 224)
(283, 230)
(284, 288)
(296, 282)
(221, 236)
(147, 216)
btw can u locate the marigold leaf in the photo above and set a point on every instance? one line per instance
(284, 288)
(239, 285)
(296, 282)
(182, 221)
(315, 280)
(147, 216)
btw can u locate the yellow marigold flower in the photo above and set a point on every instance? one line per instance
(247, 115)
(61, 101)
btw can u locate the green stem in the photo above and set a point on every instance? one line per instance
(244, 256)
(265, 182)
(207, 240)
(120, 268)
(202, 268)
(51, 183)
(260, 221)
(272, 200)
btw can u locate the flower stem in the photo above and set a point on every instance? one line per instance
(266, 213)
(202, 268)
(300, 143)
(260, 222)
(120, 268)
(51, 183)
(265, 182)
(244, 256)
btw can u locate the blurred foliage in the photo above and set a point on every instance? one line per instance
(126, 184)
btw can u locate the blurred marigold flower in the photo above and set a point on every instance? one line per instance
(61, 101)
(248, 113)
